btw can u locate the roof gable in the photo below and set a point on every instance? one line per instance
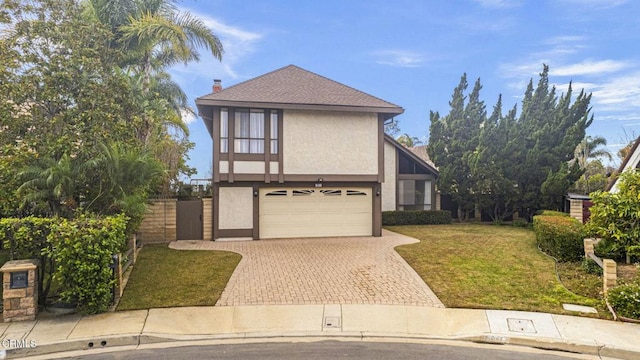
(428, 165)
(631, 161)
(292, 85)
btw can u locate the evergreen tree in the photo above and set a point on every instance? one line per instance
(452, 139)
(507, 163)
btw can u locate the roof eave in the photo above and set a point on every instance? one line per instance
(390, 111)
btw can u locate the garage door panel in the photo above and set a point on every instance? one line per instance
(312, 212)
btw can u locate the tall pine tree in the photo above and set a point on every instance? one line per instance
(506, 163)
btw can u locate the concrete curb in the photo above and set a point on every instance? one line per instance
(119, 342)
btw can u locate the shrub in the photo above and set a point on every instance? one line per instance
(552, 213)
(416, 217)
(559, 236)
(590, 266)
(26, 238)
(625, 300)
(520, 223)
(82, 250)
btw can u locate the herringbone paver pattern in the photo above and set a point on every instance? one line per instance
(350, 270)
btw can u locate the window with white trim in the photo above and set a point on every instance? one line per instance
(224, 131)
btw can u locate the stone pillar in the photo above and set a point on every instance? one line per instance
(609, 274)
(589, 245)
(20, 290)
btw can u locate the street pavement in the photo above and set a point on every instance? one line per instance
(251, 323)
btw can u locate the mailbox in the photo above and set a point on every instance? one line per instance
(19, 280)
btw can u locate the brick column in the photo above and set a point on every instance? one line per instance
(20, 294)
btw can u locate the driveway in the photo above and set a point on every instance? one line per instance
(347, 270)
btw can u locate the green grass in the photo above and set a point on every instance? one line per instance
(163, 277)
(487, 267)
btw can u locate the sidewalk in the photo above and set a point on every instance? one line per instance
(134, 328)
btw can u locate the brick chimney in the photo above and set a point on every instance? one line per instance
(217, 85)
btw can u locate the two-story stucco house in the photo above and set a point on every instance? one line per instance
(296, 154)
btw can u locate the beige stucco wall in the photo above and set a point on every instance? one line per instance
(224, 167)
(248, 167)
(321, 142)
(236, 208)
(389, 184)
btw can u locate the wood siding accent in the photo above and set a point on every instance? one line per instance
(207, 219)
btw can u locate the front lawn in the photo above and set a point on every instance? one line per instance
(164, 277)
(487, 267)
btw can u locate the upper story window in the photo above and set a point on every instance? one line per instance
(249, 132)
(274, 132)
(253, 131)
(224, 131)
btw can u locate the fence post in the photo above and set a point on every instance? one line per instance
(589, 247)
(609, 274)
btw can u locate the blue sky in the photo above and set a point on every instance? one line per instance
(413, 52)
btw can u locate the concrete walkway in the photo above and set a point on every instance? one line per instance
(348, 270)
(198, 325)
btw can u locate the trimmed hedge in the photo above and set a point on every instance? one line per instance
(625, 300)
(416, 217)
(77, 253)
(559, 236)
(552, 213)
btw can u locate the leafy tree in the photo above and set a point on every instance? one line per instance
(391, 128)
(594, 178)
(616, 216)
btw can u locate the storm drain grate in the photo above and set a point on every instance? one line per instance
(332, 321)
(521, 326)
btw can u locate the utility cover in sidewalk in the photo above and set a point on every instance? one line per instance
(521, 326)
(332, 321)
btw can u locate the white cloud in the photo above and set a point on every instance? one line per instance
(188, 117)
(399, 58)
(589, 67)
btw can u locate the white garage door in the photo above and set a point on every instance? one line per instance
(315, 212)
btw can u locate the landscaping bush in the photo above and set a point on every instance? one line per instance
(26, 238)
(559, 236)
(590, 266)
(520, 223)
(552, 213)
(82, 250)
(625, 300)
(416, 217)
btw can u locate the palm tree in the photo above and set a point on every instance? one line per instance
(154, 33)
(123, 176)
(588, 149)
(52, 181)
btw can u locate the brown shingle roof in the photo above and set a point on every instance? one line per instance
(292, 85)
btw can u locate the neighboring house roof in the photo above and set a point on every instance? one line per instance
(631, 161)
(427, 164)
(421, 152)
(292, 87)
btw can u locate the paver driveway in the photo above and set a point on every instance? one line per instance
(349, 270)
